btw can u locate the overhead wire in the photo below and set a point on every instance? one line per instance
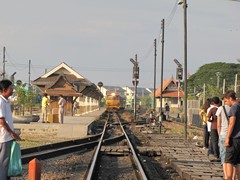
(9, 59)
(167, 22)
(172, 14)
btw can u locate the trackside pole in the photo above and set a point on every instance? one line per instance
(34, 170)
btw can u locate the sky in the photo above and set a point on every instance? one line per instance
(98, 38)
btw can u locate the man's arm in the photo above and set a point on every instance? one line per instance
(209, 115)
(8, 129)
(219, 124)
(230, 129)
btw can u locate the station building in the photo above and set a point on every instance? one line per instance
(74, 87)
(170, 94)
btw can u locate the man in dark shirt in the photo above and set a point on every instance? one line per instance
(211, 116)
(232, 141)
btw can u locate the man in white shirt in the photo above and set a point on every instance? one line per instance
(7, 134)
(61, 104)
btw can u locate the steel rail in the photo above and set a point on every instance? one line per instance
(60, 144)
(50, 153)
(96, 153)
(46, 154)
(139, 165)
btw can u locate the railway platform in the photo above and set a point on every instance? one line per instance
(188, 160)
(73, 126)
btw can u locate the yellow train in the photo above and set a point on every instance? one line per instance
(114, 101)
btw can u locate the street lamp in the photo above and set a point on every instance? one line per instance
(184, 3)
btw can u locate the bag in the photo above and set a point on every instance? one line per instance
(15, 163)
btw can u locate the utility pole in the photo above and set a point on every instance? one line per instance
(185, 68)
(224, 84)
(235, 86)
(135, 83)
(4, 60)
(184, 3)
(29, 74)
(204, 93)
(162, 26)
(218, 75)
(154, 89)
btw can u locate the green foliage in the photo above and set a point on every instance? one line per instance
(25, 98)
(146, 101)
(209, 74)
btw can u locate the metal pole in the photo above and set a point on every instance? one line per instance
(100, 84)
(162, 66)
(135, 97)
(204, 93)
(154, 91)
(218, 75)
(178, 98)
(224, 86)
(185, 67)
(4, 72)
(29, 74)
(135, 94)
(235, 86)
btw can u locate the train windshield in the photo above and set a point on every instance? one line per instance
(113, 97)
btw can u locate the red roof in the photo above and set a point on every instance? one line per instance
(169, 92)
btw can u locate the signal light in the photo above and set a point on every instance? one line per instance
(179, 73)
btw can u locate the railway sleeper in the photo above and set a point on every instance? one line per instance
(115, 149)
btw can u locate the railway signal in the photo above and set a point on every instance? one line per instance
(135, 82)
(100, 84)
(179, 73)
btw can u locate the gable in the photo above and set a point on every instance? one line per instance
(171, 87)
(63, 68)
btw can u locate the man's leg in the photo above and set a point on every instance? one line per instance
(60, 115)
(229, 171)
(5, 149)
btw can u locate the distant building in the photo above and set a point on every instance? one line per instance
(73, 86)
(169, 95)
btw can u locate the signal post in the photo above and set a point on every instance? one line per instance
(179, 73)
(135, 83)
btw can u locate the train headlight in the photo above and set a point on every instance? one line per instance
(113, 94)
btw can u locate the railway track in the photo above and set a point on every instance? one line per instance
(113, 136)
(58, 149)
(113, 154)
(115, 162)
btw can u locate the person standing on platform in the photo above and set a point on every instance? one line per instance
(167, 110)
(203, 117)
(214, 155)
(7, 134)
(232, 142)
(45, 102)
(210, 149)
(75, 107)
(61, 104)
(222, 127)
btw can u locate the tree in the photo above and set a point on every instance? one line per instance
(25, 98)
(209, 73)
(146, 101)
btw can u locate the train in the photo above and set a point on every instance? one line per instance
(114, 101)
